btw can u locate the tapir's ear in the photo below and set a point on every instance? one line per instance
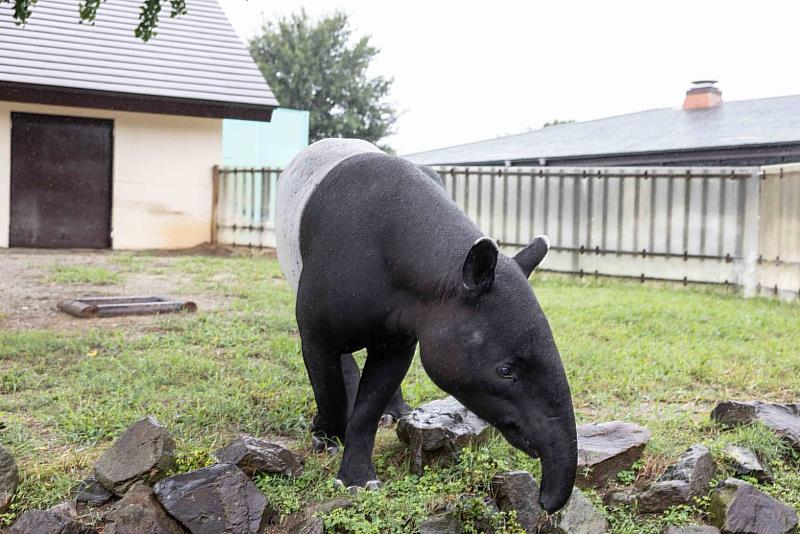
(531, 256)
(478, 270)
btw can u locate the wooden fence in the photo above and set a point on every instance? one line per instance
(711, 225)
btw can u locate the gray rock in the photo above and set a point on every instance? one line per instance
(140, 513)
(746, 462)
(215, 500)
(91, 492)
(739, 508)
(605, 449)
(622, 497)
(440, 524)
(326, 507)
(145, 452)
(681, 482)
(52, 521)
(312, 525)
(579, 516)
(692, 529)
(518, 491)
(438, 430)
(255, 456)
(782, 419)
(9, 478)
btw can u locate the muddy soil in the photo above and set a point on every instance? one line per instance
(29, 295)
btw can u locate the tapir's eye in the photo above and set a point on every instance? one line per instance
(505, 371)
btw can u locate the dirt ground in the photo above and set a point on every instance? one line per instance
(29, 295)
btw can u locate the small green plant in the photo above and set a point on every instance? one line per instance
(186, 461)
(78, 274)
(628, 476)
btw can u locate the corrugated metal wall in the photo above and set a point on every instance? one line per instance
(733, 226)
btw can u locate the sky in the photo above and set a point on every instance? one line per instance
(472, 70)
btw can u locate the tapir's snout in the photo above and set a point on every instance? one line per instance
(553, 440)
(559, 456)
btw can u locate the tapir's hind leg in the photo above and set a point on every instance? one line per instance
(397, 406)
(324, 367)
(384, 370)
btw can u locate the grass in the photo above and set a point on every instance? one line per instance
(656, 355)
(79, 274)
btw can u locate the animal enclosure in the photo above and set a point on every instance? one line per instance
(734, 226)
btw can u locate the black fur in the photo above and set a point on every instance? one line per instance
(389, 259)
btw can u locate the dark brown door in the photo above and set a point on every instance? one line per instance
(60, 181)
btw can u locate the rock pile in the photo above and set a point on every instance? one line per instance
(133, 492)
(221, 499)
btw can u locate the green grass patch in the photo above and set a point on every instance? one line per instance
(80, 274)
(656, 355)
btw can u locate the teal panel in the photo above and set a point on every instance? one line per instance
(265, 144)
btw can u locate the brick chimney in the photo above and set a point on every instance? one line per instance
(703, 94)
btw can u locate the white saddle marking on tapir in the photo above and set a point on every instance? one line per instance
(295, 185)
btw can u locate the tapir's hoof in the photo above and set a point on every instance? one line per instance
(319, 445)
(371, 485)
(386, 420)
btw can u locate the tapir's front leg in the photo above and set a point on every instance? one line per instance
(384, 370)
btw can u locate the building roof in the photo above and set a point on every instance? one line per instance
(195, 65)
(763, 121)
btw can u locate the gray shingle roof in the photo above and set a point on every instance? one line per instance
(738, 123)
(196, 57)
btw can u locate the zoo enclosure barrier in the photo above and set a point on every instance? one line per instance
(732, 226)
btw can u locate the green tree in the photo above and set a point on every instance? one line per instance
(87, 11)
(318, 66)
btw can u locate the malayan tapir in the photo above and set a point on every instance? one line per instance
(381, 258)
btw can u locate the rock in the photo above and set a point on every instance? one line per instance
(139, 513)
(215, 500)
(746, 462)
(605, 449)
(145, 452)
(313, 525)
(782, 419)
(691, 529)
(739, 508)
(438, 430)
(440, 524)
(518, 491)
(52, 521)
(326, 507)
(91, 492)
(9, 478)
(255, 456)
(621, 497)
(579, 516)
(681, 482)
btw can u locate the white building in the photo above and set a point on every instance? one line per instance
(107, 141)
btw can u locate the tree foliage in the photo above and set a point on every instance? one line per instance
(87, 12)
(318, 66)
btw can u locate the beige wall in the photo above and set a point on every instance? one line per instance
(161, 175)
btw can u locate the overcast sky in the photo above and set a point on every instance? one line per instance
(471, 70)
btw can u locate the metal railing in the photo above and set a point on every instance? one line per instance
(243, 209)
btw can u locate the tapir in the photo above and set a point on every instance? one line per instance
(381, 258)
